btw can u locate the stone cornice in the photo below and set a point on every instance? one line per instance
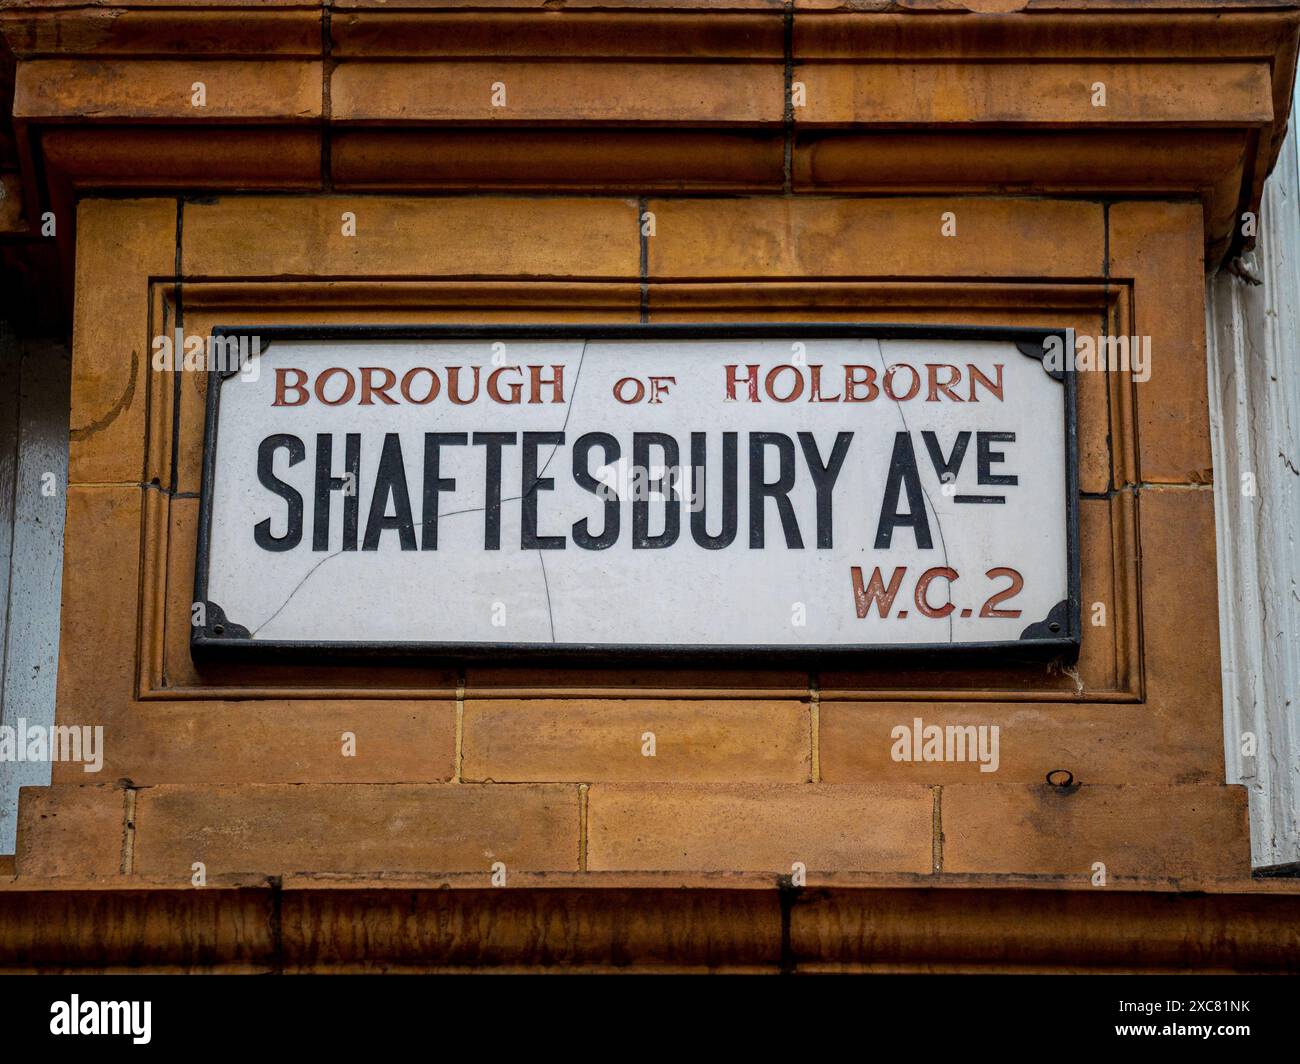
(898, 96)
(309, 924)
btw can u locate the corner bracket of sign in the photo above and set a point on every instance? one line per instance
(1055, 626)
(224, 373)
(1037, 349)
(217, 626)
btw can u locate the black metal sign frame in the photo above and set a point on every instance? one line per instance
(222, 638)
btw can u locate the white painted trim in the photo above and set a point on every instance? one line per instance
(34, 448)
(1253, 334)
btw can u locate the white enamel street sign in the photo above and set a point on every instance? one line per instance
(663, 489)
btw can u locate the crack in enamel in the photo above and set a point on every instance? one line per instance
(880, 353)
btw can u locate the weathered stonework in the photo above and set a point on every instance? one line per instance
(1101, 218)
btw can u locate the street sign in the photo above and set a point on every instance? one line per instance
(622, 490)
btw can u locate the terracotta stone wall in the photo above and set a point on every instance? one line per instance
(1099, 218)
(242, 769)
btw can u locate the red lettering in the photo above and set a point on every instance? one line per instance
(796, 388)
(923, 585)
(658, 387)
(815, 394)
(283, 384)
(990, 608)
(453, 385)
(369, 389)
(875, 591)
(994, 389)
(619, 391)
(349, 389)
(936, 386)
(889, 382)
(515, 388)
(750, 380)
(555, 383)
(409, 378)
(852, 384)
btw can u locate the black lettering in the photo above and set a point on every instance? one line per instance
(664, 486)
(986, 457)
(950, 466)
(434, 483)
(824, 477)
(582, 449)
(493, 442)
(902, 472)
(326, 484)
(760, 490)
(699, 482)
(534, 484)
(390, 480)
(265, 474)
